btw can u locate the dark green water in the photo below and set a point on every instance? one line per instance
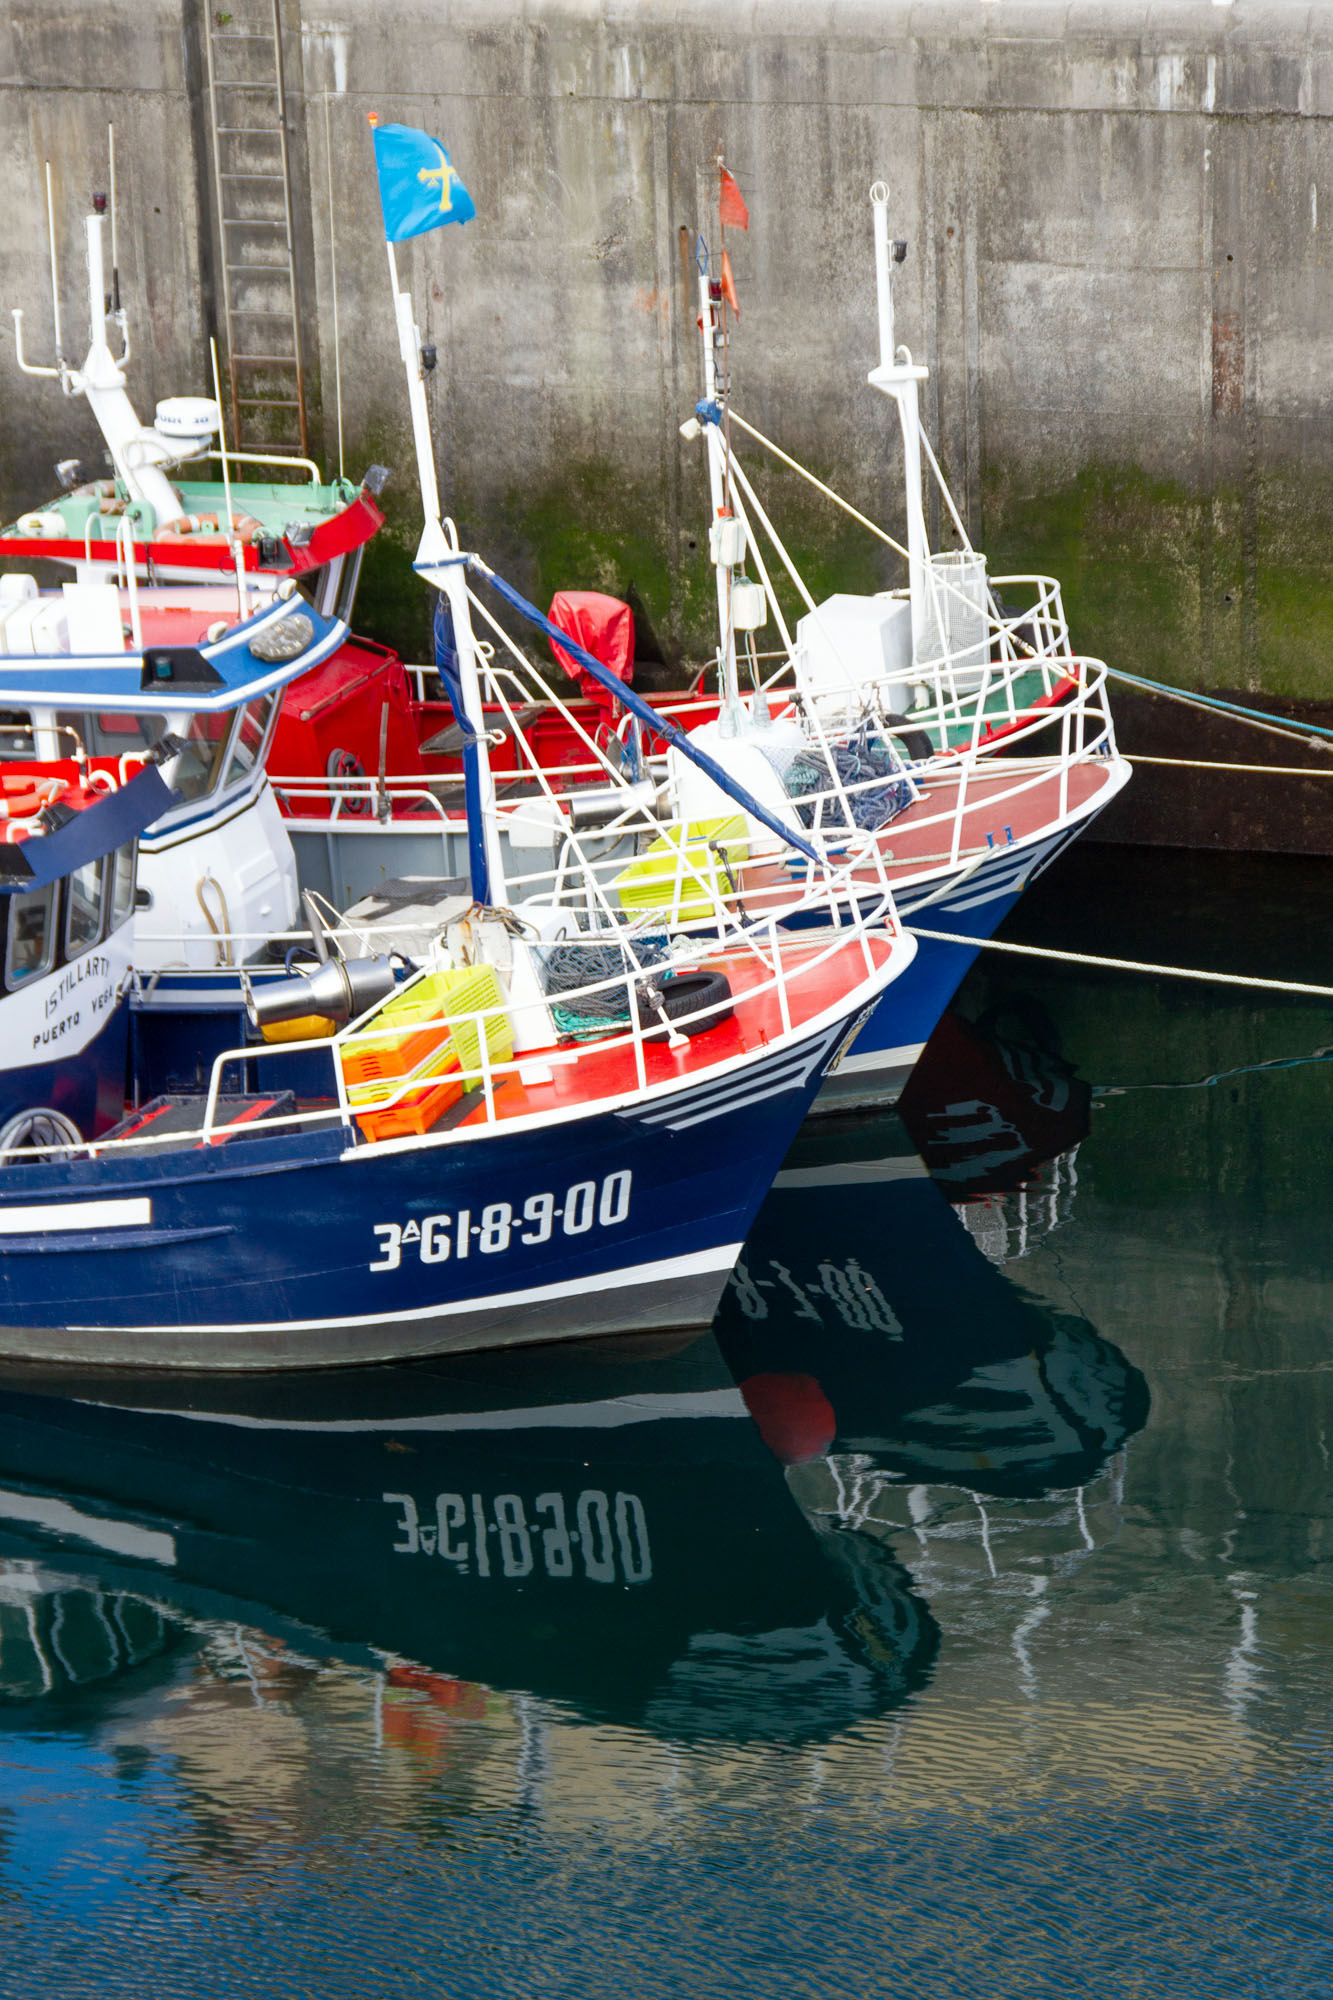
(954, 1619)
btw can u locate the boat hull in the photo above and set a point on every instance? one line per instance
(297, 1250)
(972, 902)
(875, 1072)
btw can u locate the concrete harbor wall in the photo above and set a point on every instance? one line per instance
(1118, 221)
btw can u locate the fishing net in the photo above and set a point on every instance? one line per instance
(570, 966)
(858, 764)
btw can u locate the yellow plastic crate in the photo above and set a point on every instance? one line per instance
(665, 879)
(472, 989)
(433, 1043)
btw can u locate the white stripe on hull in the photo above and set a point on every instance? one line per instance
(736, 1092)
(136, 1212)
(877, 1059)
(610, 1415)
(698, 1263)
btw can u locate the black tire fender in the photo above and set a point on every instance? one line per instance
(682, 999)
(915, 742)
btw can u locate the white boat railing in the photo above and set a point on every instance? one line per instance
(1030, 639)
(1086, 737)
(1081, 723)
(790, 966)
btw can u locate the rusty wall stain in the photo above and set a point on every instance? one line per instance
(1228, 364)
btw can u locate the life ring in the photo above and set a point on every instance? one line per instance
(346, 764)
(21, 798)
(191, 524)
(683, 1000)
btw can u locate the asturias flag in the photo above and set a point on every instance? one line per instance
(419, 190)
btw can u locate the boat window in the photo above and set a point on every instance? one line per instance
(16, 734)
(113, 735)
(251, 733)
(311, 583)
(30, 946)
(122, 886)
(83, 906)
(201, 763)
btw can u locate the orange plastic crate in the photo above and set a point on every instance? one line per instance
(414, 1114)
(375, 1068)
(385, 1061)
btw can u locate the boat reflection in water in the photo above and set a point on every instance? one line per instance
(998, 1118)
(605, 1528)
(702, 1540)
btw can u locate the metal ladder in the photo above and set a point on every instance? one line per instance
(247, 107)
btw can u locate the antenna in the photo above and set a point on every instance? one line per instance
(237, 552)
(111, 183)
(333, 283)
(55, 279)
(879, 200)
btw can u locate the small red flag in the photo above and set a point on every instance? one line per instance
(728, 285)
(731, 210)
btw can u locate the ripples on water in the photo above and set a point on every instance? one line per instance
(953, 1619)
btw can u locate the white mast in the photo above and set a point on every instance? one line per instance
(899, 379)
(439, 561)
(725, 543)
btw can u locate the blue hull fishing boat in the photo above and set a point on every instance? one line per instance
(192, 604)
(946, 720)
(237, 1249)
(539, 1126)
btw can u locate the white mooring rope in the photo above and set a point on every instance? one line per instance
(1211, 764)
(1126, 964)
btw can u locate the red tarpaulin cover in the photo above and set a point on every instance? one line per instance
(604, 627)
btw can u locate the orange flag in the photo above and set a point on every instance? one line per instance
(731, 210)
(728, 285)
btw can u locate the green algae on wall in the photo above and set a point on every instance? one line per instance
(1203, 591)
(1294, 590)
(1125, 551)
(393, 605)
(1207, 592)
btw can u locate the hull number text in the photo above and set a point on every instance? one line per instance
(600, 1536)
(499, 1225)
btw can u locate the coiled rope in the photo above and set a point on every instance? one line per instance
(569, 966)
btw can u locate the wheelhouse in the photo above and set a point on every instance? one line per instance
(57, 923)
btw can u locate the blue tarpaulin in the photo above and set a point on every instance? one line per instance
(99, 829)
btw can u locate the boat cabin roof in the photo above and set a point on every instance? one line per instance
(286, 528)
(178, 666)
